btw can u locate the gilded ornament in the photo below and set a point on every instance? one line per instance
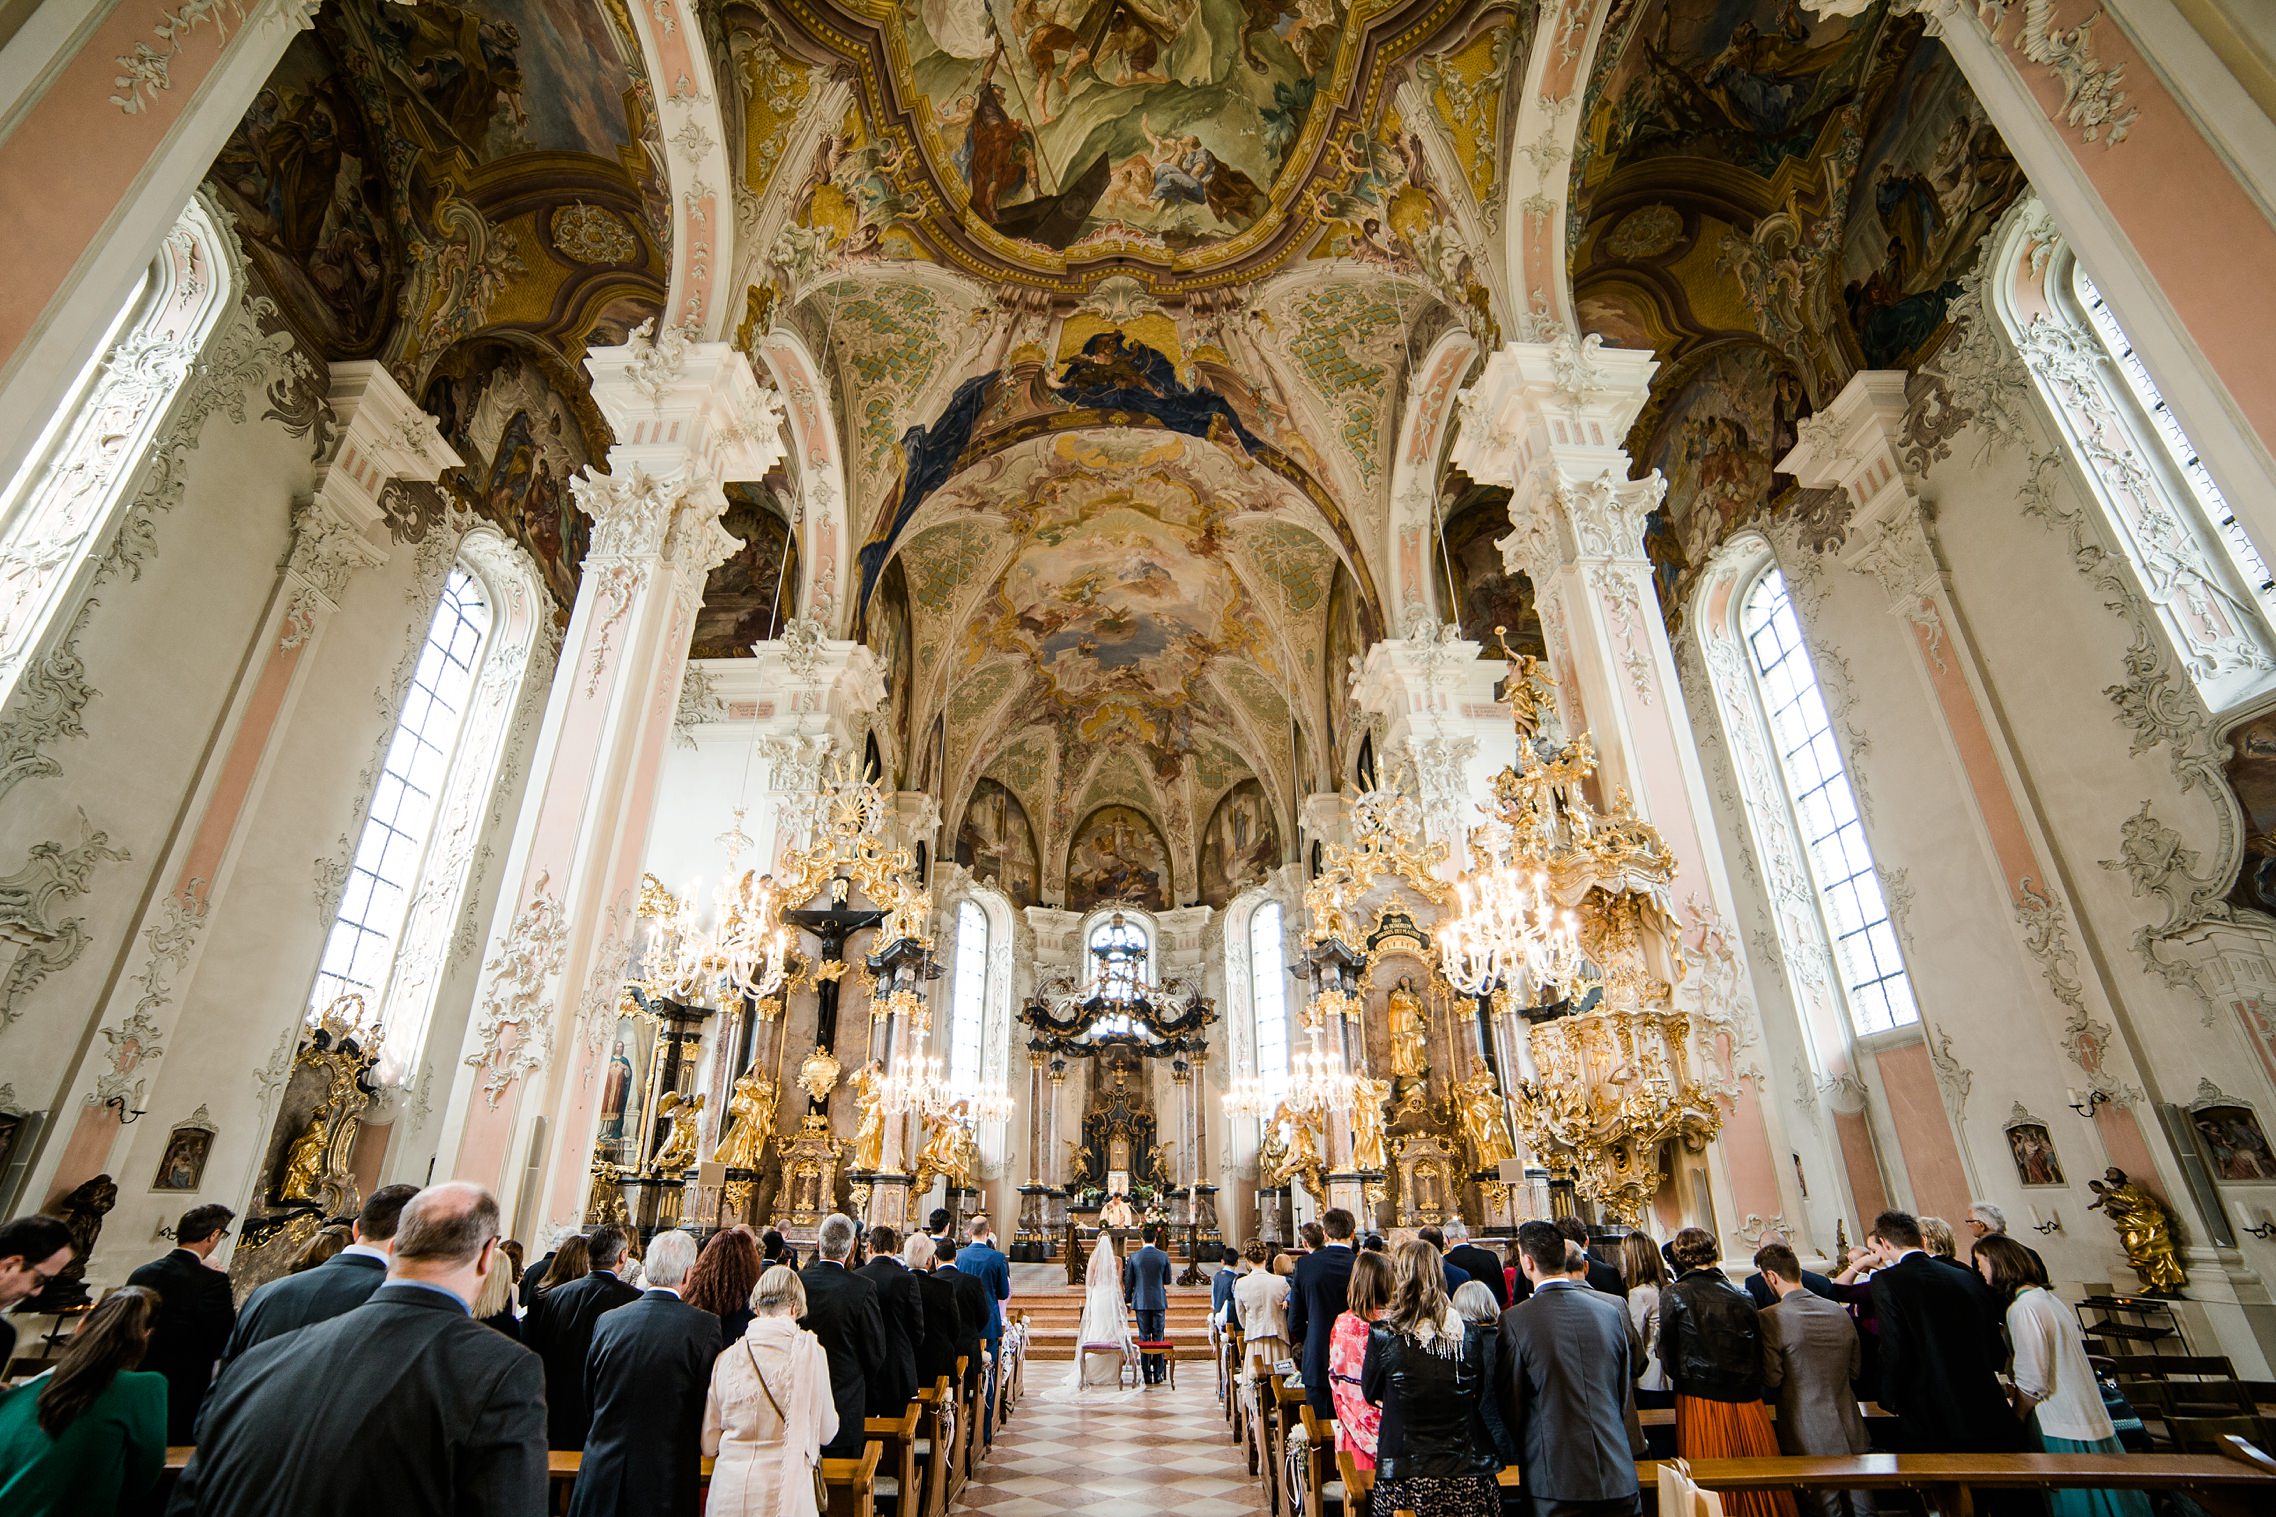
(1368, 1133)
(869, 1125)
(1410, 1031)
(590, 234)
(2145, 1231)
(750, 1122)
(949, 1150)
(678, 1155)
(819, 1073)
(304, 1160)
(1485, 1120)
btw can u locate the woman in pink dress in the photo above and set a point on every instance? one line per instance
(1357, 1421)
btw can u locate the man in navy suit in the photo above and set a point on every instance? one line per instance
(1323, 1280)
(982, 1260)
(646, 1377)
(1146, 1286)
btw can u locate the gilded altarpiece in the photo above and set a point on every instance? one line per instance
(305, 1178)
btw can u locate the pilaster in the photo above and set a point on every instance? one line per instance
(688, 416)
(1550, 419)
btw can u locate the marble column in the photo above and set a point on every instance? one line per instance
(688, 416)
(1549, 419)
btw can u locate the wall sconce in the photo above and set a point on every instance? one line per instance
(2052, 1224)
(2265, 1227)
(2084, 1101)
(126, 1118)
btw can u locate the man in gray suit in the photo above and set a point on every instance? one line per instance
(1570, 1364)
(1146, 1286)
(1810, 1354)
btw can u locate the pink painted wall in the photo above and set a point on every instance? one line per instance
(1859, 1161)
(1924, 1131)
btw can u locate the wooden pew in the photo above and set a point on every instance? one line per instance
(1288, 1402)
(934, 1446)
(959, 1454)
(853, 1483)
(897, 1493)
(1323, 1484)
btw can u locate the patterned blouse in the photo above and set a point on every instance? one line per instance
(1357, 1422)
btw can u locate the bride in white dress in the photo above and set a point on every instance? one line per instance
(1105, 1325)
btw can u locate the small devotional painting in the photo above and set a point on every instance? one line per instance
(182, 1166)
(2034, 1153)
(2234, 1142)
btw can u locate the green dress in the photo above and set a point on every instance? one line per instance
(107, 1461)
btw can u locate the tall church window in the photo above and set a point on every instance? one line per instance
(1268, 982)
(967, 996)
(360, 950)
(64, 503)
(1876, 987)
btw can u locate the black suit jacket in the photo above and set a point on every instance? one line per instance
(646, 1380)
(842, 1311)
(1481, 1265)
(901, 1302)
(405, 1404)
(560, 1328)
(1323, 1282)
(972, 1315)
(1758, 1289)
(1606, 1278)
(527, 1288)
(195, 1315)
(1567, 1371)
(944, 1326)
(1941, 1354)
(339, 1285)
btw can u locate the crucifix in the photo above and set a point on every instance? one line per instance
(833, 925)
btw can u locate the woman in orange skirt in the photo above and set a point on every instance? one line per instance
(1711, 1349)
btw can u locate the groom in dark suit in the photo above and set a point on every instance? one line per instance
(1146, 1286)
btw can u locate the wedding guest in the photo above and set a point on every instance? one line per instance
(776, 1249)
(1568, 1358)
(495, 1307)
(1322, 1278)
(1711, 1348)
(33, 1250)
(1221, 1281)
(1477, 1263)
(571, 1260)
(972, 1302)
(88, 1436)
(340, 1285)
(944, 1313)
(517, 1260)
(1456, 1276)
(1940, 1358)
(1985, 1220)
(982, 1259)
(1261, 1299)
(841, 1311)
(1601, 1276)
(1474, 1304)
(772, 1410)
(1313, 1236)
(405, 1404)
(1936, 1239)
(726, 1272)
(1366, 1298)
(1644, 1272)
(196, 1314)
(1759, 1289)
(530, 1278)
(322, 1248)
(1439, 1444)
(559, 1328)
(901, 1306)
(2055, 1390)
(647, 1379)
(1810, 1361)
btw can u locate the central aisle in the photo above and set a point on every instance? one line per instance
(1143, 1454)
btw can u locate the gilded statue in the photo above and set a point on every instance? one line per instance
(1291, 1151)
(304, 1160)
(2145, 1230)
(1367, 1126)
(750, 1122)
(868, 1084)
(678, 1155)
(1485, 1120)
(949, 1150)
(1410, 1032)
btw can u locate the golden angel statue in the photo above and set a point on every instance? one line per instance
(868, 1083)
(949, 1150)
(1485, 1120)
(2145, 1230)
(304, 1160)
(678, 1155)
(1410, 1031)
(1295, 1145)
(1367, 1129)
(750, 1122)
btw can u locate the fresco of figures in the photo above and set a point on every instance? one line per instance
(997, 843)
(1118, 855)
(1240, 845)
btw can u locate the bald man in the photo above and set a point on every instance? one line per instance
(406, 1404)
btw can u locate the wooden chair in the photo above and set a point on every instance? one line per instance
(1168, 1353)
(895, 1438)
(853, 1483)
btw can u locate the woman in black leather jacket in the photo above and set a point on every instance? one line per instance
(1442, 1441)
(1711, 1348)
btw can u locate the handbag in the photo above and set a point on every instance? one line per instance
(821, 1485)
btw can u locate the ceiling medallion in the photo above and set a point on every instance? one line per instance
(1646, 233)
(593, 235)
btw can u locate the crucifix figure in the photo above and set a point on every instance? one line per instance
(833, 925)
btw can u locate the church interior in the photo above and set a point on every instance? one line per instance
(1168, 611)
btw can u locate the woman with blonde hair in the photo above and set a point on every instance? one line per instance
(1260, 1300)
(770, 1410)
(1440, 1443)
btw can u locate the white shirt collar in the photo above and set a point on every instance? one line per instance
(364, 1251)
(670, 1290)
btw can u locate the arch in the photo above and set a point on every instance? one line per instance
(696, 164)
(1542, 148)
(814, 434)
(1409, 547)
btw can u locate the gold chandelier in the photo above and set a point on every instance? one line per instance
(1564, 912)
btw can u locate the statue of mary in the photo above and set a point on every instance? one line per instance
(1103, 1343)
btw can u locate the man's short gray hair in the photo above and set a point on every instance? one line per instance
(1989, 1215)
(917, 1252)
(670, 1256)
(1455, 1230)
(836, 1238)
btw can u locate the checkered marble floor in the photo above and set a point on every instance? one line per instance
(1122, 1454)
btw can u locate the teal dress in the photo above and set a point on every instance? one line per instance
(108, 1460)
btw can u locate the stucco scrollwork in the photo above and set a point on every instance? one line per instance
(513, 1030)
(32, 925)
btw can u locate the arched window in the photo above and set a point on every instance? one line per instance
(2206, 580)
(65, 500)
(1120, 948)
(1268, 992)
(967, 996)
(1856, 915)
